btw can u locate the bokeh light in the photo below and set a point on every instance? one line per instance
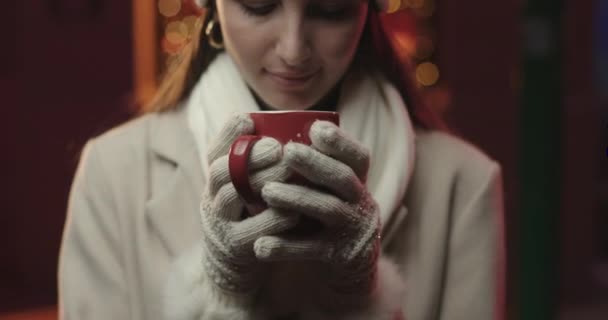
(427, 73)
(181, 20)
(169, 8)
(176, 32)
(405, 43)
(170, 47)
(192, 23)
(394, 5)
(416, 4)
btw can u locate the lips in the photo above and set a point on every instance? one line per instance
(291, 80)
(292, 76)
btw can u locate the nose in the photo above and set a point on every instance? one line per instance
(293, 46)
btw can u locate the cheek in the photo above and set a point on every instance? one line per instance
(338, 48)
(245, 40)
(338, 44)
(242, 40)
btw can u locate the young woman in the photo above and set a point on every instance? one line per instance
(411, 216)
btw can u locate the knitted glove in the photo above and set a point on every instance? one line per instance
(229, 260)
(350, 240)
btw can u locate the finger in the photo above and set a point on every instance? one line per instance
(275, 248)
(270, 221)
(277, 173)
(333, 141)
(219, 174)
(237, 125)
(321, 206)
(264, 153)
(323, 170)
(227, 203)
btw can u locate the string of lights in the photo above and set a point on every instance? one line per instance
(179, 21)
(414, 34)
(427, 71)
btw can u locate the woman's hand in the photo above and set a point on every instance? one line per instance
(229, 260)
(349, 244)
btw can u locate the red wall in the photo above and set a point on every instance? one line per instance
(478, 55)
(582, 155)
(72, 76)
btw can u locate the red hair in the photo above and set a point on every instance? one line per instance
(376, 47)
(397, 67)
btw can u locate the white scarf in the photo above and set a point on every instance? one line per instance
(371, 111)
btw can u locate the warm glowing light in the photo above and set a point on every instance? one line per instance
(393, 6)
(427, 74)
(192, 24)
(169, 8)
(172, 48)
(176, 32)
(405, 44)
(416, 4)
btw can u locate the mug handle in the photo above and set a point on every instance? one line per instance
(238, 167)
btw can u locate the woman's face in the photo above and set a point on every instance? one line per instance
(292, 52)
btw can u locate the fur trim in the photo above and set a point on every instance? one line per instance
(189, 295)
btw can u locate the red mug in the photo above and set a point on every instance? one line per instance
(284, 126)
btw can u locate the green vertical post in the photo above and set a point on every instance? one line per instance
(540, 161)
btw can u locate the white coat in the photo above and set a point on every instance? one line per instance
(133, 209)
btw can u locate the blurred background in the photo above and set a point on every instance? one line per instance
(526, 81)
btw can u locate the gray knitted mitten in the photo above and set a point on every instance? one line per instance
(349, 243)
(228, 238)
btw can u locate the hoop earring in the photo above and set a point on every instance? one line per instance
(210, 31)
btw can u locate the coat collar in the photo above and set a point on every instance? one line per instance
(173, 213)
(170, 138)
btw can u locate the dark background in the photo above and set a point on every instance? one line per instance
(67, 74)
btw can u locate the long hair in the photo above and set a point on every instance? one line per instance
(375, 48)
